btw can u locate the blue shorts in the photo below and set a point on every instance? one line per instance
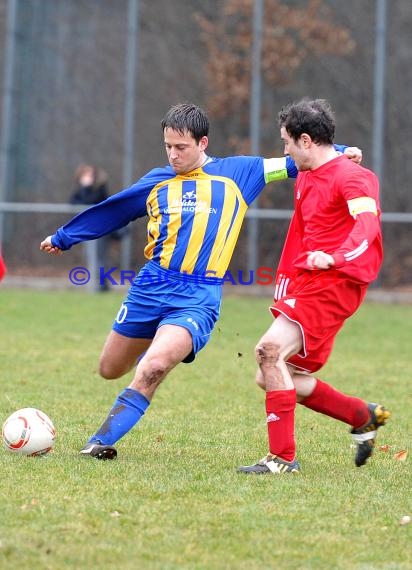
(159, 296)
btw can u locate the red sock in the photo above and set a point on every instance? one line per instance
(328, 401)
(280, 412)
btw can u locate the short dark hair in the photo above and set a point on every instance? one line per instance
(315, 118)
(186, 117)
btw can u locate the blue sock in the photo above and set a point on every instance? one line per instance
(128, 409)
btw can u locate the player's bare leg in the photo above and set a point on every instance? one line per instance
(169, 347)
(120, 354)
(282, 340)
(303, 381)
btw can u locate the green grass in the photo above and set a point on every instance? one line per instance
(173, 499)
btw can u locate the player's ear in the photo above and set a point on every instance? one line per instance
(203, 143)
(306, 140)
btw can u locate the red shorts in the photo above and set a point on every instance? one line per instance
(319, 302)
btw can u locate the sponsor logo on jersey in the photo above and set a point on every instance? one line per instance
(189, 203)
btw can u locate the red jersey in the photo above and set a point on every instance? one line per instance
(3, 268)
(337, 211)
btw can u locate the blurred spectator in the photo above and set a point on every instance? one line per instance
(91, 185)
(91, 188)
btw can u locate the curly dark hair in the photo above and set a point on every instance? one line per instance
(314, 118)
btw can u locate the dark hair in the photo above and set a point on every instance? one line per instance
(186, 117)
(314, 118)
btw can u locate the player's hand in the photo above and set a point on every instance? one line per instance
(47, 246)
(320, 260)
(354, 153)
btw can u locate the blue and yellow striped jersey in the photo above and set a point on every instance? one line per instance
(194, 219)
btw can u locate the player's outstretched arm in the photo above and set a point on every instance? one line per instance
(285, 167)
(47, 246)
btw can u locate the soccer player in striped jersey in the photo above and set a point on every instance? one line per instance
(195, 208)
(333, 251)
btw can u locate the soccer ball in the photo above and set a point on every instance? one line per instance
(28, 432)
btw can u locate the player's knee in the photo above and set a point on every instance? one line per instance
(154, 371)
(109, 371)
(267, 352)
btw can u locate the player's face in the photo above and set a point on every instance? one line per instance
(298, 150)
(183, 152)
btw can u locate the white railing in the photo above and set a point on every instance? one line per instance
(261, 213)
(91, 246)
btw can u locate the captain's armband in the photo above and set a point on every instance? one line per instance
(361, 205)
(275, 169)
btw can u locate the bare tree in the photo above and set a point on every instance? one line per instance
(291, 35)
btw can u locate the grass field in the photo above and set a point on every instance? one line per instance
(173, 499)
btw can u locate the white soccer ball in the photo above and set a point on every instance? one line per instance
(28, 432)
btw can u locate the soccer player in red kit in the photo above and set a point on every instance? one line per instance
(3, 268)
(333, 251)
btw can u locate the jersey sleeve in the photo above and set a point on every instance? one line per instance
(361, 196)
(253, 180)
(284, 167)
(112, 214)
(364, 232)
(279, 168)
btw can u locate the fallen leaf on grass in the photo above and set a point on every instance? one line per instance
(385, 448)
(26, 506)
(401, 455)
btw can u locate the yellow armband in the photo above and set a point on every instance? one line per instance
(362, 205)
